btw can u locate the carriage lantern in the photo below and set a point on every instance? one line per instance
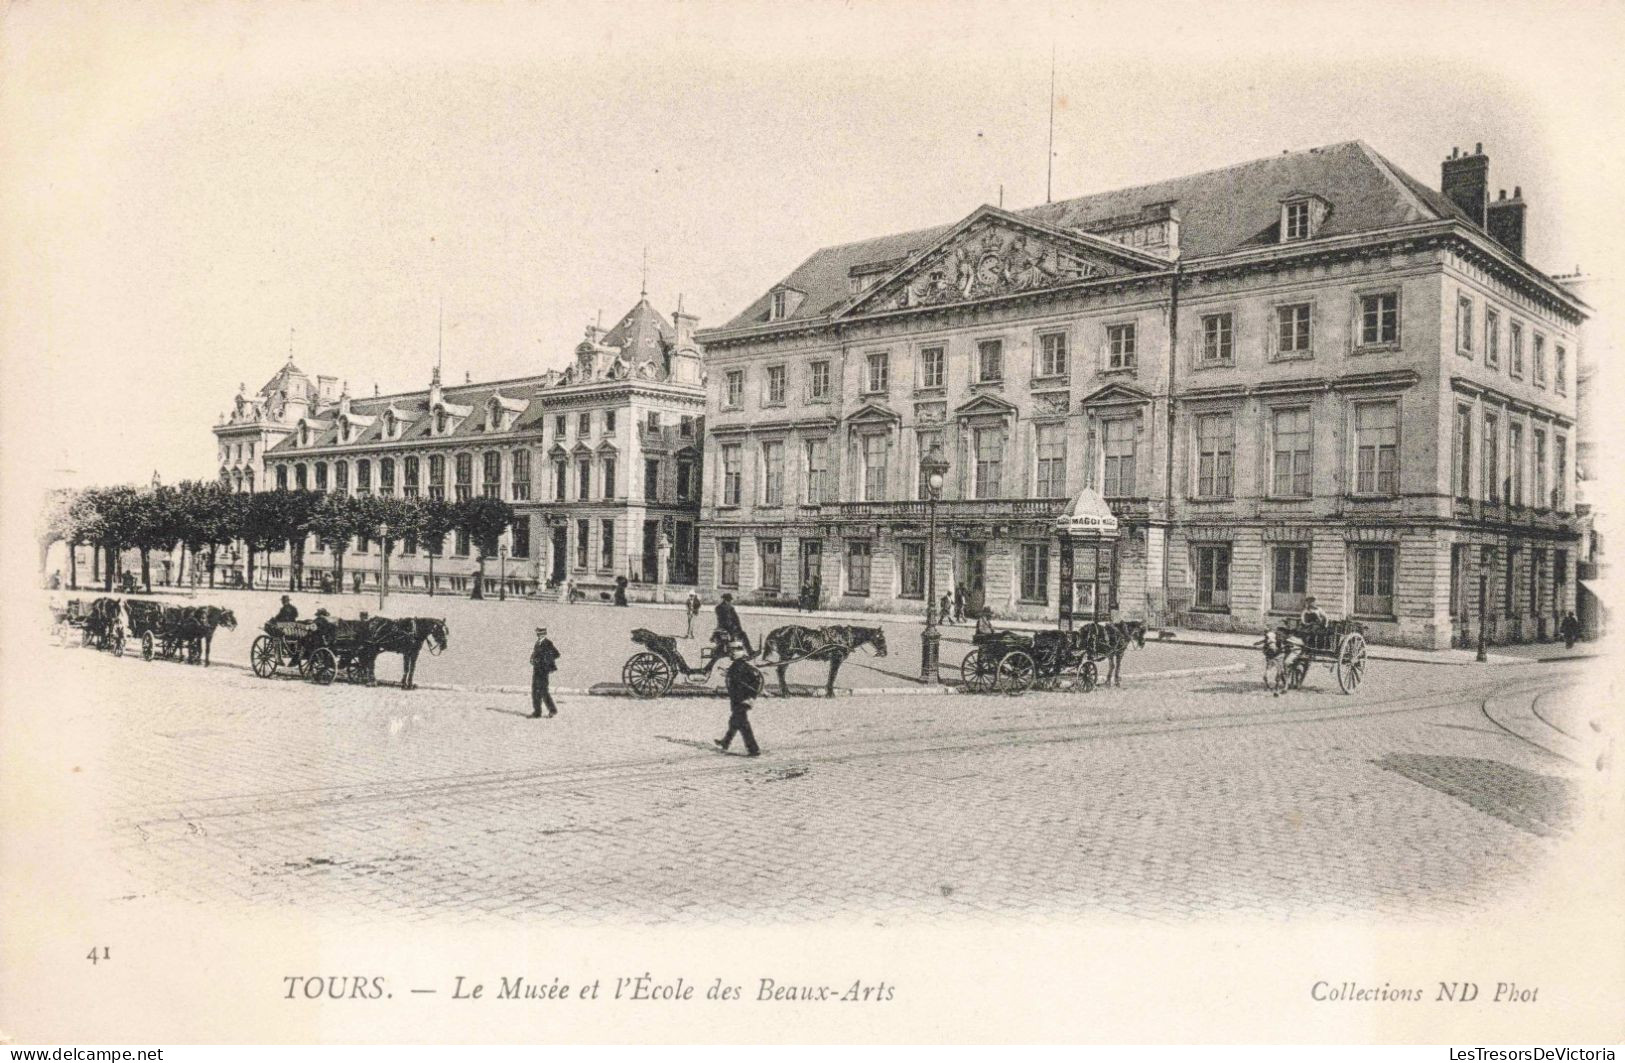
(933, 470)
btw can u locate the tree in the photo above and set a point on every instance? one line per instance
(388, 520)
(484, 519)
(435, 520)
(336, 521)
(114, 526)
(156, 527)
(55, 525)
(267, 522)
(298, 509)
(85, 521)
(203, 519)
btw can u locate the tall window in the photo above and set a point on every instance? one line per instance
(877, 367)
(1035, 572)
(521, 537)
(608, 478)
(989, 445)
(1379, 319)
(561, 479)
(1560, 466)
(521, 475)
(583, 542)
(583, 478)
(781, 306)
(736, 389)
(281, 477)
(728, 562)
(341, 477)
(685, 481)
(1292, 329)
(773, 473)
(1050, 445)
(321, 476)
(1213, 577)
(437, 477)
(931, 359)
(1464, 326)
(491, 484)
(1560, 378)
(1297, 221)
(1515, 462)
(363, 477)
(1215, 454)
(1376, 448)
(559, 428)
(1492, 468)
(1537, 579)
(775, 385)
(1464, 451)
(1118, 444)
(1540, 360)
(685, 426)
(771, 554)
(1290, 578)
(732, 475)
(465, 477)
(386, 476)
(930, 440)
(990, 361)
(1374, 580)
(651, 479)
(816, 493)
(459, 543)
(1120, 346)
(818, 381)
(913, 572)
(1218, 339)
(1540, 497)
(876, 454)
(1515, 349)
(606, 557)
(299, 481)
(1291, 453)
(609, 421)
(1492, 337)
(857, 566)
(584, 423)
(1052, 354)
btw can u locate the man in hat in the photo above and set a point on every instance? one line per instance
(544, 660)
(1570, 629)
(744, 684)
(325, 628)
(692, 607)
(288, 613)
(1313, 615)
(728, 623)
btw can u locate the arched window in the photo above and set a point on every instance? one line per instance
(389, 424)
(492, 486)
(437, 476)
(237, 482)
(300, 480)
(248, 481)
(225, 476)
(441, 422)
(341, 477)
(281, 477)
(465, 477)
(386, 476)
(410, 472)
(363, 477)
(321, 476)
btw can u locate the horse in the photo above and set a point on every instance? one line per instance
(1109, 640)
(198, 627)
(835, 643)
(102, 621)
(405, 637)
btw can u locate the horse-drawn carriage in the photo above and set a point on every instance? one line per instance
(99, 624)
(176, 632)
(1294, 646)
(323, 652)
(651, 672)
(1011, 662)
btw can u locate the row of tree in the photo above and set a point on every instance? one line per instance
(202, 518)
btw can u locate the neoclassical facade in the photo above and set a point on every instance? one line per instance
(601, 461)
(1308, 374)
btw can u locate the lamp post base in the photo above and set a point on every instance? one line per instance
(930, 647)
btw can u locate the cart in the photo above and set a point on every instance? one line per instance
(651, 672)
(1339, 645)
(1010, 662)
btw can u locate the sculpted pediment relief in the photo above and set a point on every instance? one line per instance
(994, 254)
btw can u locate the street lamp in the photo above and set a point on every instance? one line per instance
(502, 572)
(932, 470)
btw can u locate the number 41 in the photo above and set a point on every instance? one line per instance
(98, 954)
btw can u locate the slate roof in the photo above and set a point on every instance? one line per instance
(643, 334)
(1221, 210)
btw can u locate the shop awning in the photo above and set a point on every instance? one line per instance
(1087, 517)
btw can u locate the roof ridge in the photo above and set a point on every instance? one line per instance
(1397, 176)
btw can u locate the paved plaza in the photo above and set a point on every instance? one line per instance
(1177, 797)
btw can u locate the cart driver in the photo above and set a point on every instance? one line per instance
(325, 630)
(1313, 616)
(288, 613)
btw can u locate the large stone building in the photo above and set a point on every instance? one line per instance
(1308, 374)
(602, 461)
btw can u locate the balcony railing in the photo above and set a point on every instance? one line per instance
(953, 509)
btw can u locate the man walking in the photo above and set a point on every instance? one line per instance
(744, 684)
(544, 658)
(1570, 628)
(959, 603)
(728, 622)
(692, 607)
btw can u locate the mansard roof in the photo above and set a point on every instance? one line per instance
(643, 335)
(1219, 211)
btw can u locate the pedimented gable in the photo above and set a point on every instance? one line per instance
(994, 253)
(873, 413)
(984, 405)
(1115, 394)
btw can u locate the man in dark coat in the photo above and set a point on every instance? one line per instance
(959, 603)
(728, 623)
(744, 684)
(1570, 628)
(288, 613)
(544, 660)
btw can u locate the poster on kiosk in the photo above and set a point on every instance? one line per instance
(1088, 532)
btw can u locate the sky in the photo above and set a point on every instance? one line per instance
(192, 190)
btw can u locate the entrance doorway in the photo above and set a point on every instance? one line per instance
(561, 550)
(812, 555)
(971, 573)
(651, 551)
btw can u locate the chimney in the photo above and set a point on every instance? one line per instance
(684, 324)
(327, 389)
(1465, 181)
(1506, 220)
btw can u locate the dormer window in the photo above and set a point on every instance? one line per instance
(389, 425)
(781, 306)
(1301, 216)
(442, 423)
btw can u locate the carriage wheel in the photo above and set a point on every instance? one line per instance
(648, 675)
(263, 657)
(85, 637)
(1016, 673)
(1350, 662)
(355, 670)
(117, 642)
(146, 646)
(977, 672)
(1082, 677)
(323, 666)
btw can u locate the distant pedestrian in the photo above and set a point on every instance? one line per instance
(620, 590)
(744, 685)
(959, 603)
(946, 610)
(544, 660)
(1570, 628)
(692, 607)
(56, 580)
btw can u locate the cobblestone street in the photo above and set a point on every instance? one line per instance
(1166, 799)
